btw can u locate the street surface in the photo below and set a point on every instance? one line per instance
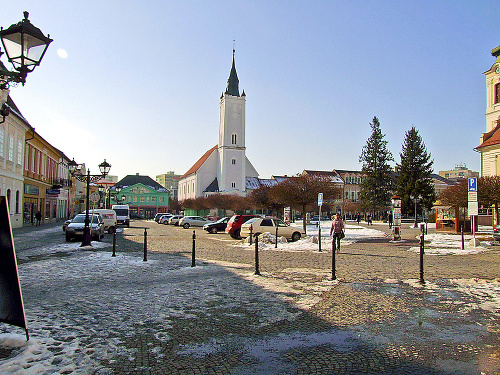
(89, 313)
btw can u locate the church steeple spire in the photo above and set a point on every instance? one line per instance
(233, 81)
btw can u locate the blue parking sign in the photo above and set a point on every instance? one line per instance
(320, 199)
(472, 186)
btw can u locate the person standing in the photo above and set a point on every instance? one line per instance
(335, 232)
(390, 220)
(38, 217)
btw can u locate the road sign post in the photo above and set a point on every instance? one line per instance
(472, 206)
(320, 203)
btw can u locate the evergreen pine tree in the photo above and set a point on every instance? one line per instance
(378, 182)
(415, 171)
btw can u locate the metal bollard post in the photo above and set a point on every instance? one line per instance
(250, 235)
(193, 257)
(319, 239)
(463, 240)
(276, 241)
(334, 277)
(145, 245)
(422, 281)
(114, 244)
(257, 272)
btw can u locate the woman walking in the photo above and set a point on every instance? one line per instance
(336, 229)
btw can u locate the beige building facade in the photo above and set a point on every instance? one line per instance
(489, 146)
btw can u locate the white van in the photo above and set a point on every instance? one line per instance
(122, 214)
(108, 217)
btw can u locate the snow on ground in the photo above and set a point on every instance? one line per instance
(451, 244)
(353, 233)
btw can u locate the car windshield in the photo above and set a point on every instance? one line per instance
(81, 219)
(121, 211)
(223, 220)
(251, 221)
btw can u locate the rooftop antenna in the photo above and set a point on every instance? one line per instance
(233, 47)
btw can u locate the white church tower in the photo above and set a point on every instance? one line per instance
(231, 168)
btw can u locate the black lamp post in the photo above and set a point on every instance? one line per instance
(75, 170)
(25, 46)
(117, 190)
(415, 198)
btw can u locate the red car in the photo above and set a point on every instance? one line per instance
(233, 227)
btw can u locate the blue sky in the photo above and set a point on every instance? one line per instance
(138, 82)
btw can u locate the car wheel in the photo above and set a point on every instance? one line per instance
(213, 230)
(68, 238)
(186, 226)
(165, 223)
(296, 236)
(236, 234)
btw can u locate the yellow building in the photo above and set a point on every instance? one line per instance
(489, 146)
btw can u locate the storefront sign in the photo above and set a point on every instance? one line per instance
(31, 189)
(53, 191)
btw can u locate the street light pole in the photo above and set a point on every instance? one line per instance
(73, 167)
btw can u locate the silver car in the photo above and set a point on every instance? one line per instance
(192, 221)
(174, 220)
(76, 226)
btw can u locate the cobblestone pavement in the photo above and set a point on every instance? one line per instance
(374, 319)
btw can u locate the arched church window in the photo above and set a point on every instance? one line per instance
(233, 139)
(497, 93)
(233, 161)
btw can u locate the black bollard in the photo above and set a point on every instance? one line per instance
(334, 277)
(114, 244)
(319, 239)
(276, 241)
(193, 257)
(257, 272)
(463, 240)
(145, 245)
(422, 281)
(250, 235)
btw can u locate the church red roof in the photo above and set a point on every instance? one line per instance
(200, 162)
(491, 138)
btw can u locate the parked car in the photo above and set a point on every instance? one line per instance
(75, 228)
(496, 232)
(135, 215)
(174, 220)
(159, 215)
(65, 225)
(217, 226)
(108, 217)
(269, 224)
(234, 224)
(192, 221)
(164, 219)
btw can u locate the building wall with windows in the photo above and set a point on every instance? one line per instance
(12, 139)
(41, 173)
(489, 146)
(460, 171)
(144, 200)
(169, 181)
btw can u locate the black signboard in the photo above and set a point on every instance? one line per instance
(11, 300)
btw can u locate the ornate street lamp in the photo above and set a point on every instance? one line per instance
(25, 46)
(415, 198)
(76, 171)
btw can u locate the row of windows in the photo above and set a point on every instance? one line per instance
(17, 205)
(143, 199)
(10, 147)
(353, 180)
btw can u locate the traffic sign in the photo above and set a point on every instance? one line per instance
(472, 185)
(472, 196)
(473, 209)
(320, 199)
(94, 197)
